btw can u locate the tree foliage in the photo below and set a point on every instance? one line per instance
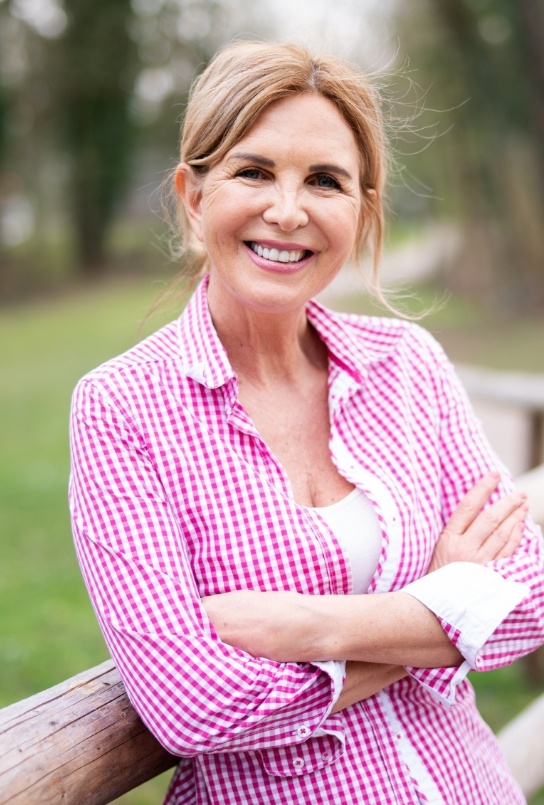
(483, 60)
(96, 72)
(98, 88)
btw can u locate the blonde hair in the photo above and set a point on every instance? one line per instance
(246, 77)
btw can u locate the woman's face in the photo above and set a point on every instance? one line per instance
(280, 213)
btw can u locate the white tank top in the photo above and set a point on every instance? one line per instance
(354, 523)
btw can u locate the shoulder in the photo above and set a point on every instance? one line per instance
(130, 367)
(163, 345)
(381, 338)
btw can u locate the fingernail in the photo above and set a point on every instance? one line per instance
(495, 474)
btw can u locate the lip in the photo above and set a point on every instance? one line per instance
(275, 266)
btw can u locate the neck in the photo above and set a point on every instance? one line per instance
(269, 347)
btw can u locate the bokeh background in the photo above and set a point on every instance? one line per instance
(91, 98)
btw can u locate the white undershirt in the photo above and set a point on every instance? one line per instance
(354, 523)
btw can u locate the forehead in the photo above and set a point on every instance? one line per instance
(307, 124)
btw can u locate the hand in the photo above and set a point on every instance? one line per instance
(473, 535)
(364, 679)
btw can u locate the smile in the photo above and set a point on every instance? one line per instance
(278, 255)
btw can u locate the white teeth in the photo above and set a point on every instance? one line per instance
(284, 256)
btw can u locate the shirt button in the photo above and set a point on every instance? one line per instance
(326, 755)
(303, 731)
(298, 763)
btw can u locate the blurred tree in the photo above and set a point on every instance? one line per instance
(5, 106)
(531, 17)
(484, 59)
(96, 69)
(4, 98)
(116, 67)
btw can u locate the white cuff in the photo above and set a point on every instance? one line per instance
(471, 598)
(336, 669)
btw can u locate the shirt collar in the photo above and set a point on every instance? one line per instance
(354, 342)
(205, 357)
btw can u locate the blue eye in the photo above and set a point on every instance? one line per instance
(250, 173)
(327, 182)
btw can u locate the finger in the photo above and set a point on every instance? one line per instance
(513, 543)
(491, 519)
(469, 507)
(504, 540)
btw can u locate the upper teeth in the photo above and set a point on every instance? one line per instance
(283, 256)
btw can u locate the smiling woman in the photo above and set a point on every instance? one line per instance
(289, 187)
(291, 526)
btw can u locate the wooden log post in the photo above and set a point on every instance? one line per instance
(79, 742)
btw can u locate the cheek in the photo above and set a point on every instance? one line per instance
(223, 216)
(344, 224)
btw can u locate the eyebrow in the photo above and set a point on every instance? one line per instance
(327, 168)
(269, 163)
(256, 158)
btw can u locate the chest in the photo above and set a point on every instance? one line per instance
(295, 426)
(240, 523)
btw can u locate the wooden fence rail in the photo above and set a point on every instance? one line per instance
(82, 742)
(79, 743)
(516, 390)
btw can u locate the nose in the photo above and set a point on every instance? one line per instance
(286, 208)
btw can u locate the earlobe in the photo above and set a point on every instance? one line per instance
(189, 189)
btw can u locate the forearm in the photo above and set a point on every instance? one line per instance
(386, 628)
(364, 679)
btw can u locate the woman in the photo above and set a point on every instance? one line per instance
(238, 473)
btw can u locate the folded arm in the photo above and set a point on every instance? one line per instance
(384, 631)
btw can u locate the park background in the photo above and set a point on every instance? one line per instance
(91, 97)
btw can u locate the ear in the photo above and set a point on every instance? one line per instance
(189, 189)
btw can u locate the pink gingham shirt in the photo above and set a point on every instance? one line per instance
(175, 496)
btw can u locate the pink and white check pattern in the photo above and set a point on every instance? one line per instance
(174, 496)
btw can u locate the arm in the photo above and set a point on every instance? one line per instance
(508, 621)
(364, 679)
(194, 693)
(398, 629)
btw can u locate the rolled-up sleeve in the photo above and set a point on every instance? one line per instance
(493, 614)
(195, 694)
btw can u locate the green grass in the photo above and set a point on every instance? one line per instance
(47, 628)
(48, 632)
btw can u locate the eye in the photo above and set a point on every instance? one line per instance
(326, 181)
(250, 173)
